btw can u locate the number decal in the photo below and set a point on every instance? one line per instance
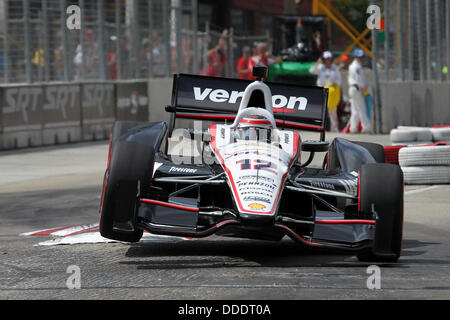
(258, 165)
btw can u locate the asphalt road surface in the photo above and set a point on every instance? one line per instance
(60, 186)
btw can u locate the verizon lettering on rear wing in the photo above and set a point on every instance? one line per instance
(212, 98)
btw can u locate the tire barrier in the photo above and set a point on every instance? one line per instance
(426, 164)
(419, 135)
(56, 113)
(427, 175)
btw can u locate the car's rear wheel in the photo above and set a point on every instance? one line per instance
(381, 191)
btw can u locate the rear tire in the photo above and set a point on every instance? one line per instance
(385, 196)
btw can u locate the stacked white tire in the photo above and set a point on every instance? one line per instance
(425, 165)
(411, 136)
(426, 157)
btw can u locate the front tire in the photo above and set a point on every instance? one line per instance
(381, 189)
(130, 167)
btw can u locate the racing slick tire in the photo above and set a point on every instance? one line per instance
(387, 202)
(130, 166)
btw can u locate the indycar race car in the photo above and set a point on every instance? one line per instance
(247, 180)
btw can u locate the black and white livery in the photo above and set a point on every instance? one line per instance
(255, 187)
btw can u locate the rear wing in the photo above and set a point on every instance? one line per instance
(213, 98)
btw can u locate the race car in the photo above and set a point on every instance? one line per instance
(247, 179)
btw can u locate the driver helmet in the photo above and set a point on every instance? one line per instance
(254, 129)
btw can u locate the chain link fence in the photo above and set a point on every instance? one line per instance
(416, 40)
(116, 39)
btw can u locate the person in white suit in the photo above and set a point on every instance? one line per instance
(357, 87)
(329, 76)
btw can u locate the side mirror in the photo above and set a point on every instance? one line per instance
(315, 146)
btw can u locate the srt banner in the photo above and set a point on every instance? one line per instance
(21, 116)
(97, 110)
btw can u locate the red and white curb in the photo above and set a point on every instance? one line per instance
(87, 233)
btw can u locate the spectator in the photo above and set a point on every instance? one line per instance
(89, 54)
(111, 59)
(216, 58)
(91, 51)
(329, 77)
(158, 57)
(262, 57)
(187, 55)
(243, 66)
(357, 87)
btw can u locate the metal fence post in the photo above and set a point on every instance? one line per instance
(178, 36)
(150, 37)
(166, 25)
(27, 40)
(206, 47)
(119, 38)
(62, 12)
(447, 28)
(400, 35)
(6, 76)
(386, 40)
(419, 30)
(195, 42)
(410, 40)
(45, 22)
(376, 96)
(428, 29)
(101, 41)
(136, 40)
(437, 19)
(82, 40)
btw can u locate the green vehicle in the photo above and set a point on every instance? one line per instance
(301, 42)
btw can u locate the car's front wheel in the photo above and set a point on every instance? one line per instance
(129, 173)
(381, 191)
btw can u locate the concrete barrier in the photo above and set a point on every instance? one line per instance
(415, 103)
(160, 95)
(98, 101)
(21, 116)
(132, 100)
(61, 114)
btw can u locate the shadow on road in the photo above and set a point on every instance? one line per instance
(233, 253)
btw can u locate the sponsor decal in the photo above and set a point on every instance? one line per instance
(22, 100)
(182, 170)
(279, 102)
(321, 184)
(257, 206)
(98, 96)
